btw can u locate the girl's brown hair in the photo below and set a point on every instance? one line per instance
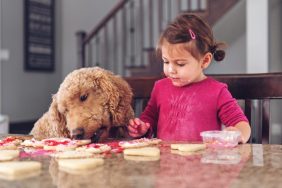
(179, 31)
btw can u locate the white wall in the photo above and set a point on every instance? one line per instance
(275, 38)
(79, 15)
(25, 95)
(234, 61)
(231, 29)
(257, 36)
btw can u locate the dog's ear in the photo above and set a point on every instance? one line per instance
(119, 99)
(57, 120)
(51, 124)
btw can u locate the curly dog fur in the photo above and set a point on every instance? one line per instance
(87, 100)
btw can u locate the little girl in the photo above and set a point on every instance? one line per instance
(187, 102)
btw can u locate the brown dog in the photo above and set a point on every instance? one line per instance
(88, 103)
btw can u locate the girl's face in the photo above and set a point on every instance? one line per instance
(181, 67)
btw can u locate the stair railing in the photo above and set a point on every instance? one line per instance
(124, 40)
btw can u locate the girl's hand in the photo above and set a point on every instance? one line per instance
(137, 128)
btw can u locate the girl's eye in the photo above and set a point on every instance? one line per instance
(181, 65)
(83, 98)
(165, 62)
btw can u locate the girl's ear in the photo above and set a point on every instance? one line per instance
(206, 60)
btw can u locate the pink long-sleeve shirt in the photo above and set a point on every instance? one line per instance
(182, 113)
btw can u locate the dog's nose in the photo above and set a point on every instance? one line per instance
(77, 134)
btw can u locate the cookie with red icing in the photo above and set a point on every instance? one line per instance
(73, 154)
(95, 148)
(59, 144)
(137, 143)
(9, 142)
(32, 143)
(62, 144)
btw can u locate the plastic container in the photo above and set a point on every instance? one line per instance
(221, 139)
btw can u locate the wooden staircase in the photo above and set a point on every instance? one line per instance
(124, 41)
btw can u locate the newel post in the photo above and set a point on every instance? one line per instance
(81, 35)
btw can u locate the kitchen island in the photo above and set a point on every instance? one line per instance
(248, 165)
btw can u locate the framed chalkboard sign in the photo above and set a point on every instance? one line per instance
(39, 31)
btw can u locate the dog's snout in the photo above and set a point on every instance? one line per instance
(78, 134)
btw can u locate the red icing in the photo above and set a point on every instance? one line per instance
(93, 146)
(116, 148)
(55, 143)
(7, 140)
(113, 144)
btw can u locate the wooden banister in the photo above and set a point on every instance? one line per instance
(104, 21)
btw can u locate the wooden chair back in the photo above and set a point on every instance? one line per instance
(252, 89)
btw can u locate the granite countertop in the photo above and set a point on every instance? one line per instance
(244, 166)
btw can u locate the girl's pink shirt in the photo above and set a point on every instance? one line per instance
(182, 113)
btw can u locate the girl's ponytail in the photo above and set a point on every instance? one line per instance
(218, 54)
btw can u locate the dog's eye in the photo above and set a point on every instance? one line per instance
(83, 98)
